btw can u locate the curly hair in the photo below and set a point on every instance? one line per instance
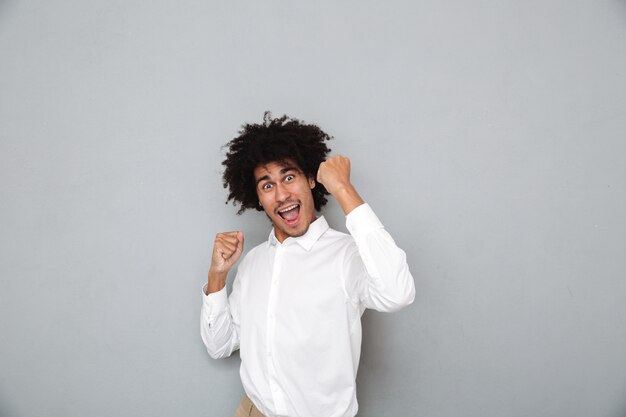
(275, 140)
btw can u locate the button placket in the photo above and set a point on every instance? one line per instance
(271, 328)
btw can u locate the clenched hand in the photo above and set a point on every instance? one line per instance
(227, 250)
(334, 175)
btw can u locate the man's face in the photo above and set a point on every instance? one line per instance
(285, 194)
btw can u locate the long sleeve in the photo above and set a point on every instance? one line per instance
(378, 275)
(219, 322)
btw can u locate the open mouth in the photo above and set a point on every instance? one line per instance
(290, 214)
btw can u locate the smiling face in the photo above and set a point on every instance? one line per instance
(285, 194)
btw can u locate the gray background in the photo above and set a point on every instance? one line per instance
(487, 135)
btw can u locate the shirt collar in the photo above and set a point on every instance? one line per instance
(307, 240)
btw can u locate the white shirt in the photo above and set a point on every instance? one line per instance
(295, 314)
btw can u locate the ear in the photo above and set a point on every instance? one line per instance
(311, 182)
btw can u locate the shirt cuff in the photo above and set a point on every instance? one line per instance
(216, 301)
(361, 221)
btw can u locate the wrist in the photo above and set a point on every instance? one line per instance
(216, 281)
(347, 197)
(341, 188)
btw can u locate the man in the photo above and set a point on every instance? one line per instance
(297, 299)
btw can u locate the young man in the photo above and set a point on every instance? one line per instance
(297, 299)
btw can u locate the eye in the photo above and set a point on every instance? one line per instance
(289, 177)
(266, 186)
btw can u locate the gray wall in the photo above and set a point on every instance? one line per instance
(487, 135)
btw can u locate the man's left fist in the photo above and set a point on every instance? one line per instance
(334, 173)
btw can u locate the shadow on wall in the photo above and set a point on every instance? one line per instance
(233, 361)
(378, 371)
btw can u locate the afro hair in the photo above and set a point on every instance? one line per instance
(275, 140)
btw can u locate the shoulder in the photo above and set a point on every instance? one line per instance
(340, 242)
(336, 236)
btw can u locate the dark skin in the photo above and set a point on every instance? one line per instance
(279, 188)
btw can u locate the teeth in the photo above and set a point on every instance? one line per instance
(288, 208)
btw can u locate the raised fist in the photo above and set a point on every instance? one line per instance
(227, 249)
(334, 173)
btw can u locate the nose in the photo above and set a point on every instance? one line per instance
(282, 193)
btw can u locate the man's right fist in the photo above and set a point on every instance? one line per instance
(227, 249)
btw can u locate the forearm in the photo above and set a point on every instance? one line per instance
(348, 198)
(219, 326)
(218, 329)
(389, 284)
(217, 281)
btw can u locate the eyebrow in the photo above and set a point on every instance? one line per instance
(281, 172)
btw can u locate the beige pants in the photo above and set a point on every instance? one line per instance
(247, 409)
